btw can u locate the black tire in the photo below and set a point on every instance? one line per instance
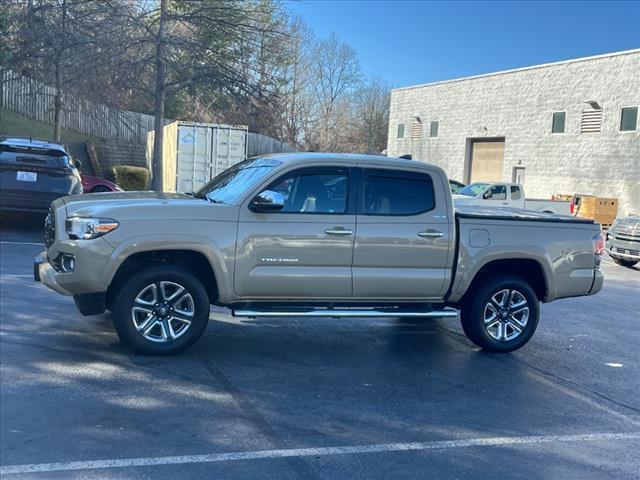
(140, 287)
(100, 189)
(474, 312)
(624, 263)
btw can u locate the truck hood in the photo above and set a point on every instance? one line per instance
(146, 206)
(462, 198)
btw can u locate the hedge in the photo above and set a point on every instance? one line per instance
(131, 178)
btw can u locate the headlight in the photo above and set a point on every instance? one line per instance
(88, 228)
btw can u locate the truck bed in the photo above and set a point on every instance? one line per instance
(507, 213)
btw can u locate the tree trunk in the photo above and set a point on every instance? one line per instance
(57, 102)
(57, 106)
(160, 94)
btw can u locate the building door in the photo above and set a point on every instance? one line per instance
(487, 160)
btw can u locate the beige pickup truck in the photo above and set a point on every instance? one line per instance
(314, 235)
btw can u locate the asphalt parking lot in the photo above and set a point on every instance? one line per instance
(315, 399)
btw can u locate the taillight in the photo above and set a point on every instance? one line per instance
(572, 207)
(598, 244)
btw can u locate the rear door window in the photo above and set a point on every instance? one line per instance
(397, 192)
(515, 193)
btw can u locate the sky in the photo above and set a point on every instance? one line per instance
(413, 42)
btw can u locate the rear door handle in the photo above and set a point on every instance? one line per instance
(430, 234)
(338, 231)
(505, 203)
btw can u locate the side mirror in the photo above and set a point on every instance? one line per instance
(487, 195)
(77, 162)
(267, 201)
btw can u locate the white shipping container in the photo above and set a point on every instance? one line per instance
(194, 153)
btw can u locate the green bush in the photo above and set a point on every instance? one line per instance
(131, 178)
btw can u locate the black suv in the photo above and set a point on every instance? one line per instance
(33, 173)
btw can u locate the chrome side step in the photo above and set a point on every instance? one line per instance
(344, 312)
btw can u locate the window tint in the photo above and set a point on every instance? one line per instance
(629, 119)
(497, 192)
(515, 193)
(434, 129)
(558, 122)
(314, 191)
(401, 130)
(388, 192)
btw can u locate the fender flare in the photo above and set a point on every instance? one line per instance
(196, 243)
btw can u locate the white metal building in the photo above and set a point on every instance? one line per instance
(559, 128)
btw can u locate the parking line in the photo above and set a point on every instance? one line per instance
(312, 452)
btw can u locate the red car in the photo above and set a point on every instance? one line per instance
(95, 185)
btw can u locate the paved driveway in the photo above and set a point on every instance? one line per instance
(315, 399)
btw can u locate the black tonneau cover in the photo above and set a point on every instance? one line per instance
(507, 213)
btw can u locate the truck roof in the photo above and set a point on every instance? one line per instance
(303, 157)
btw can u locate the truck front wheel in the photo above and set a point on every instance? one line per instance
(502, 315)
(161, 310)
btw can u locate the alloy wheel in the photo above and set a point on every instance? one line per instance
(506, 315)
(163, 311)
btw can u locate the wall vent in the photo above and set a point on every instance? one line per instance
(416, 130)
(591, 120)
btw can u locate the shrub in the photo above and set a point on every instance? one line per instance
(131, 178)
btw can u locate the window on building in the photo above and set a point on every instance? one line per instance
(388, 192)
(558, 123)
(629, 119)
(434, 129)
(591, 120)
(515, 193)
(401, 130)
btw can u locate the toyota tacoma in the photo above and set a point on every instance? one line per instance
(314, 235)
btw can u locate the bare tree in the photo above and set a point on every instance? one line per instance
(336, 72)
(205, 50)
(70, 44)
(370, 117)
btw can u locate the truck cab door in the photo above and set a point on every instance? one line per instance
(304, 250)
(405, 238)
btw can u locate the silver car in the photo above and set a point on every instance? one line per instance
(623, 241)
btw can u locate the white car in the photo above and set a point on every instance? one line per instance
(507, 195)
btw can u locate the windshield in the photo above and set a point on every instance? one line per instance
(472, 189)
(233, 182)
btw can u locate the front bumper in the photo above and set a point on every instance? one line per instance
(625, 249)
(44, 272)
(90, 260)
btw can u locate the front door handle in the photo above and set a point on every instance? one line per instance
(338, 231)
(430, 234)
(505, 203)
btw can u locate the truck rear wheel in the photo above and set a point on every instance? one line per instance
(503, 314)
(161, 310)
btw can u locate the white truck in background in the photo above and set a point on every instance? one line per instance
(510, 195)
